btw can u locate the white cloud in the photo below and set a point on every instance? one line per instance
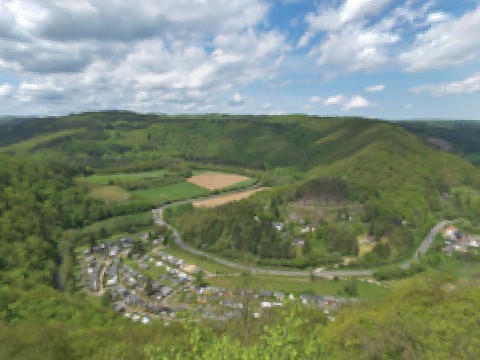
(355, 49)
(267, 105)
(362, 35)
(165, 56)
(437, 17)
(338, 99)
(5, 89)
(349, 42)
(357, 101)
(316, 100)
(236, 100)
(334, 100)
(446, 43)
(375, 88)
(358, 9)
(333, 18)
(467, 86)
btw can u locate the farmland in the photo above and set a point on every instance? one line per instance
(105, 179)
(174, 192)
(216, 181)
(161, 186)
(221, 200)
(110, 194)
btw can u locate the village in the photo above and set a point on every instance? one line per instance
(455, 240)
(154, 285)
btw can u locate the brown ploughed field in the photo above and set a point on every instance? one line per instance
(216, 181)
(220, 200)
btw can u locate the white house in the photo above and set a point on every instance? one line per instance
(307, 229)
(112, 281)
(278, 226)
(450, 232)
(474, 243)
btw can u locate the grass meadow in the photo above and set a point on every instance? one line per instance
(174, 192)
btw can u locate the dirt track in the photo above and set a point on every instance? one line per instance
(220, 200)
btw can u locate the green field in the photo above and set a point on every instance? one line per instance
(174, 192)
(157, 186)
(298, 285)
(203, 263)
(105, 179)
(110, 193)
(154, 272)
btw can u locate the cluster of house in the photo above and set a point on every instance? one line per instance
(140, 298)
(94, 258)
(458, 241)
(281, 227)
(265, 299)
(93, 273)
(134, 290)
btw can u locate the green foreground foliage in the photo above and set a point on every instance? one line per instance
(425, 318)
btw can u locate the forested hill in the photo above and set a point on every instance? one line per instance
(106, 139)
(119, 138)
(462, 137)
(38, 201)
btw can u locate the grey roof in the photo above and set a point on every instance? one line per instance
(165, 290)
(265, 293)
(134, 299)
(112, 271)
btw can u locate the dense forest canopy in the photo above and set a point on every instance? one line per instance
(462, 137)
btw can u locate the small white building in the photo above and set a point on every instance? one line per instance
(474, 243)
(112, 281)
(278, 226)
(450, 232)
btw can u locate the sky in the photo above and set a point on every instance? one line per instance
(386, 59)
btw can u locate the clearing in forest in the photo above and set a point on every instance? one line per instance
(174, 192)
(220, 200)
(110, 194)
(217, 181)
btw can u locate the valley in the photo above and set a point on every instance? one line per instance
(161, 224)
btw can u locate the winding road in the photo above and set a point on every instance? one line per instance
(157, 215)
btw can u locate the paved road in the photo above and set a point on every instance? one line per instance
(426, 243)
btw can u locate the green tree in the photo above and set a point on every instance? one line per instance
(199, 280)
(351, 288)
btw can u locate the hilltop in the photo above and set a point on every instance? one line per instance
(460, 136)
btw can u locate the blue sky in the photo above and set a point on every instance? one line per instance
(375, 58)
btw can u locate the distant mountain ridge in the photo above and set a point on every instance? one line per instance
(462, 135)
